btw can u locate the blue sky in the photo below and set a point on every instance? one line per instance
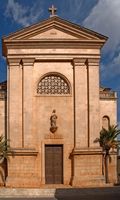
(102, 16)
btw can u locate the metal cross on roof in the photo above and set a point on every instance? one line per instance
(53, 11)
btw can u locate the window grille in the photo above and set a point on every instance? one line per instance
(53, 84)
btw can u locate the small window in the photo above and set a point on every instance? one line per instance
(105, 122)
(53, 84)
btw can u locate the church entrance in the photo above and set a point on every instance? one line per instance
(53, 164)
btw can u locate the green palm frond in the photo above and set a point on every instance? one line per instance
(108, 137)
(108, 140)
(3, 147)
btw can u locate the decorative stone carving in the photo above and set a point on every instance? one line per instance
(53, 84)
(54, 136)
(53, 120)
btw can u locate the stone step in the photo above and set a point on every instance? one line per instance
(22, 192)
(52, 192)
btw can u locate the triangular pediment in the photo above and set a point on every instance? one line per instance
(55, 28)
(53, 33)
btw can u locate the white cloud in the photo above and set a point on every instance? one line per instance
(77, 5)
(21, 14)
(111, 69)
(105, 18)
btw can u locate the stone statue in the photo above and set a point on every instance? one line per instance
(53, 120)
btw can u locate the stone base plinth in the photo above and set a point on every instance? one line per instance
(88, 181)
(88, 168)
(23, 182)
(22, 169)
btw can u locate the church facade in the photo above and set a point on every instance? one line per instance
(55, 108)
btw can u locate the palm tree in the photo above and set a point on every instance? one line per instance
(3, 148)
(108, 141)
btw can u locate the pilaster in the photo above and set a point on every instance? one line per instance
(14, 117)
(80, 103)
(27, 107)
(93, 100)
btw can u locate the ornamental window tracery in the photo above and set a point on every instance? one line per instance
(53, 84)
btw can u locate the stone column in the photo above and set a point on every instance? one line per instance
(27, 108)
(80, 103)
(14, 103)
(93, 100)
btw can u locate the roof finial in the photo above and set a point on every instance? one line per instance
(52, 10)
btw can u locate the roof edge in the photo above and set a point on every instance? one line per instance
(56, 18)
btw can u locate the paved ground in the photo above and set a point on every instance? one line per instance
(86, 197)
(112, 193)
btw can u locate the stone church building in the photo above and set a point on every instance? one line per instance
(52, 107)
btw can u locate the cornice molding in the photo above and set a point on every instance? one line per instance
(28, 61)
(53, 41)
(51, 44)
(22, 151)
(79, 61)
(92, 62)
(87, 151)
(13, 62)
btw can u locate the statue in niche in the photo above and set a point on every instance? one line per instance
(53, 120)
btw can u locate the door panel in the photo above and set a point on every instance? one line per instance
(54, 164)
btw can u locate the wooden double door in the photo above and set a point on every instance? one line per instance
(54, 164)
